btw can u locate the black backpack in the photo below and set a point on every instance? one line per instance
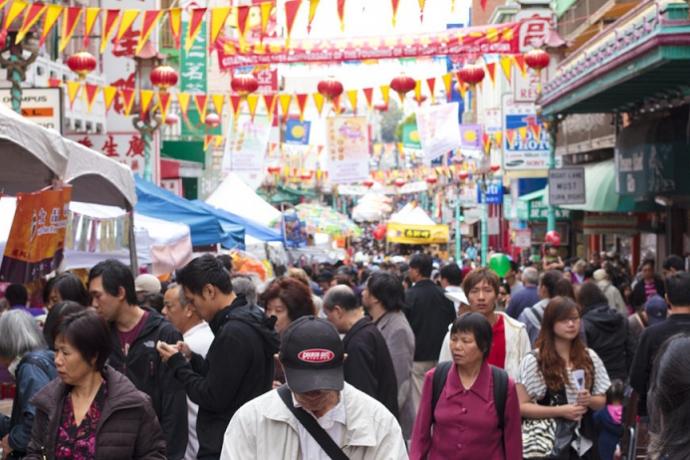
(500, 389)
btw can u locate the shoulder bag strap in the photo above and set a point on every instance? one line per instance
(500, 393)
(312, 426)
(438, 382)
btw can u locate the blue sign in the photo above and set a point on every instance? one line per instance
(453, 67)
(297, 132)
(494, 192)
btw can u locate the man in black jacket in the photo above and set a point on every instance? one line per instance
(239, 363)
(369, 366)
(135, 332)
(429, 313)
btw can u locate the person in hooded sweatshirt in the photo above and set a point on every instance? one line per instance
(606, 331)
(239, 364)
(609, 421)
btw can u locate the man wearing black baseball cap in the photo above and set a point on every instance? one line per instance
(316, 415)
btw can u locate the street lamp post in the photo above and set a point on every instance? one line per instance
(553, 130)
(16, 63)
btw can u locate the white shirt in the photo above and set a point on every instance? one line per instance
(456, 295)
(199, 340)
(333, 422)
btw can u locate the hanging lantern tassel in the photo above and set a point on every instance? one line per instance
(538, 60)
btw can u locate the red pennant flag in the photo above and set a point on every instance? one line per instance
(291, 8)
(90, 91)
(395, 4)
(107, 29)
(270, 103)
(127, 96)
(235, 102)
(431, 83)
(521, 64)
(194, 27)
(491, 70)
(369, 96)
(242, 17)
(341, 14)
(148, 23)
(301, 104)
(200, 102)
(69, 24)
(164, 104)
(32, 15)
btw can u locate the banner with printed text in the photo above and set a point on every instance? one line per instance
(36, 243)
(245, 147)
(417, 234)
(439, 131)
(348, 149)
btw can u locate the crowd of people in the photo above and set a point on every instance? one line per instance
(384, 360)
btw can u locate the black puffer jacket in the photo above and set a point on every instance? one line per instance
(607, 334)
(128, 427)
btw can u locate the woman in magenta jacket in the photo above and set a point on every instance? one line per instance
(465, 423)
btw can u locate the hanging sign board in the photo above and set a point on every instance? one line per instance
(567, 186)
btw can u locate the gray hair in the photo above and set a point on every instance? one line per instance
(181, 297)
(242, 284)
(530, 275)
(19, 334)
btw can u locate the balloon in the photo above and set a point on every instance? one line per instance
(499, 263)
(553, 238)
(380, 232)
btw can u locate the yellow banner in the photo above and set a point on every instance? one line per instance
(417, 234)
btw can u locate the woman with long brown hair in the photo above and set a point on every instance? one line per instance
(562, 382)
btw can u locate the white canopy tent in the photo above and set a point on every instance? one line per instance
(234, 196)
(165, 245)
(411, 214)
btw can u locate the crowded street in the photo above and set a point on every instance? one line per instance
(344, 229)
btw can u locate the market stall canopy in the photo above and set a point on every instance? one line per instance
(251, 228)
(153, 201)
(412, 214)
(33, 156)
(165, 245)
(372, 207)
(236, 197)
(411, 225)
(323, 219)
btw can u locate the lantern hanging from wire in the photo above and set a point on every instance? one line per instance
(82, 63)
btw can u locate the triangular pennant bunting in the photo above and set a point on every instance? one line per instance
(194, 27)
(109, 93)
(235, 103)
(394, 5)
(385, 94)
(51, 16)
(318, 102)
(341, 14)
(242, 18)
(200, 101)
(301, 104)
(491, 70)
(72, 91)
(175, 22)
(15, 9)
(90, 93)
(448, 84)
(208, 139)
(218, 17)
(291, 8)
(352, 97)
(145, 98)
(69, 24)
(32, 15)
(369, 97)
(127, 97)
(126, 20)
(183, 102)
(313, 5)
(521, 64)
(285, 100)
(417, 92)
(90, 16)
(148, 23)
(110, 18)
(252, 103)
(164, 99)
(522, 131)
(421, 9)
(431, 84)
(218, 101)
(265, 9)
(507, 66)
(270, 103)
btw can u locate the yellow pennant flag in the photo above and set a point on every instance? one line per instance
(522, 132)
(51, 16)
(218, 17)
(313, 5)
(318, 102)
(421, 3)
(498, 137)
(506, 63)
(183, 101)
(148, 23)
(252, 102)
(194, 27)
(219, 141)
(352, 97)
(126, 21)
(418, 91)
(108, 20)
(90, 16)
(218, 103)
(285, 100)
(73, 88)
(385, 94)
(266, 8)
(207, 141)
(16, 8)
(448, 84)
(109, 93)
(145, 98)
(175, 21)
(69, 24)
(31, 17)
(127, 98)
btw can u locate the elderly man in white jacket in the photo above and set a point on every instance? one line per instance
(267, 427)
(481, 289)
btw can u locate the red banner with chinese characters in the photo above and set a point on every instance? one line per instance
(473, 41)
(37, 238)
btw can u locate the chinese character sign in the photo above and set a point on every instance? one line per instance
(348, 149)
(36, 242)
(439, 131)
(127, 148)
(245, 147)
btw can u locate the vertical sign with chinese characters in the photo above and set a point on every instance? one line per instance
(36, 243)
(348, 149)
(193, 66)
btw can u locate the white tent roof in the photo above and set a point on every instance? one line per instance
(411, 214)
(234, 196)
(32, 156)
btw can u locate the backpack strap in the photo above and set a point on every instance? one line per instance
(500, 378)
(438, 382)
(312, 426)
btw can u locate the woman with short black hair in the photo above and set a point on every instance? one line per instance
(91, 407)
(55, 317)
(67, 286)
(464, 419)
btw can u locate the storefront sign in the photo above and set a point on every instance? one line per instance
(43, 106)
(522, 238)
(36, 243)
(567, 186)
(493, 194)
(417, 234)
(524, 150)
(193, 68)
(348, 149)
(128, 148)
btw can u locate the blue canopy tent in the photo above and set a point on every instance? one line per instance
(206, 228)
(253, 229)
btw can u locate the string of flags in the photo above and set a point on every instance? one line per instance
(118, 21)
(90, 234)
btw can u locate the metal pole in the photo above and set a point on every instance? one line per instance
(458, 232)
(484, 225)
(553, 130)
(148, 166)
(16, 91)
(133, 259)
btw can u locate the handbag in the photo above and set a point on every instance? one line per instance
(548, 438)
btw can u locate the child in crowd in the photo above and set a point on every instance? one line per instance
(609, 422)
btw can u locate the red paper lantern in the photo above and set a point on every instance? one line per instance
(330, 88)
(244, 84)
(381, 107)
(273, 169)
(212, 120)
(537, 59)
(399, 182)
(471, 74)
(431, 180)
(402, 84)
(172, 119)
(495, 167)
(368, 183)
(81, 63)
(163, 77)
(463, 175)
(553, 238)
(306, 176)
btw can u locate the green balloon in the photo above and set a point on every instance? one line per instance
(500, 263)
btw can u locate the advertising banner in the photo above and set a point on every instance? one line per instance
(529, 147)
(439, 131)
(348, 149)
(36, 243)
(417, 234)
(297, 132)
(245, 147)
(43, 106)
